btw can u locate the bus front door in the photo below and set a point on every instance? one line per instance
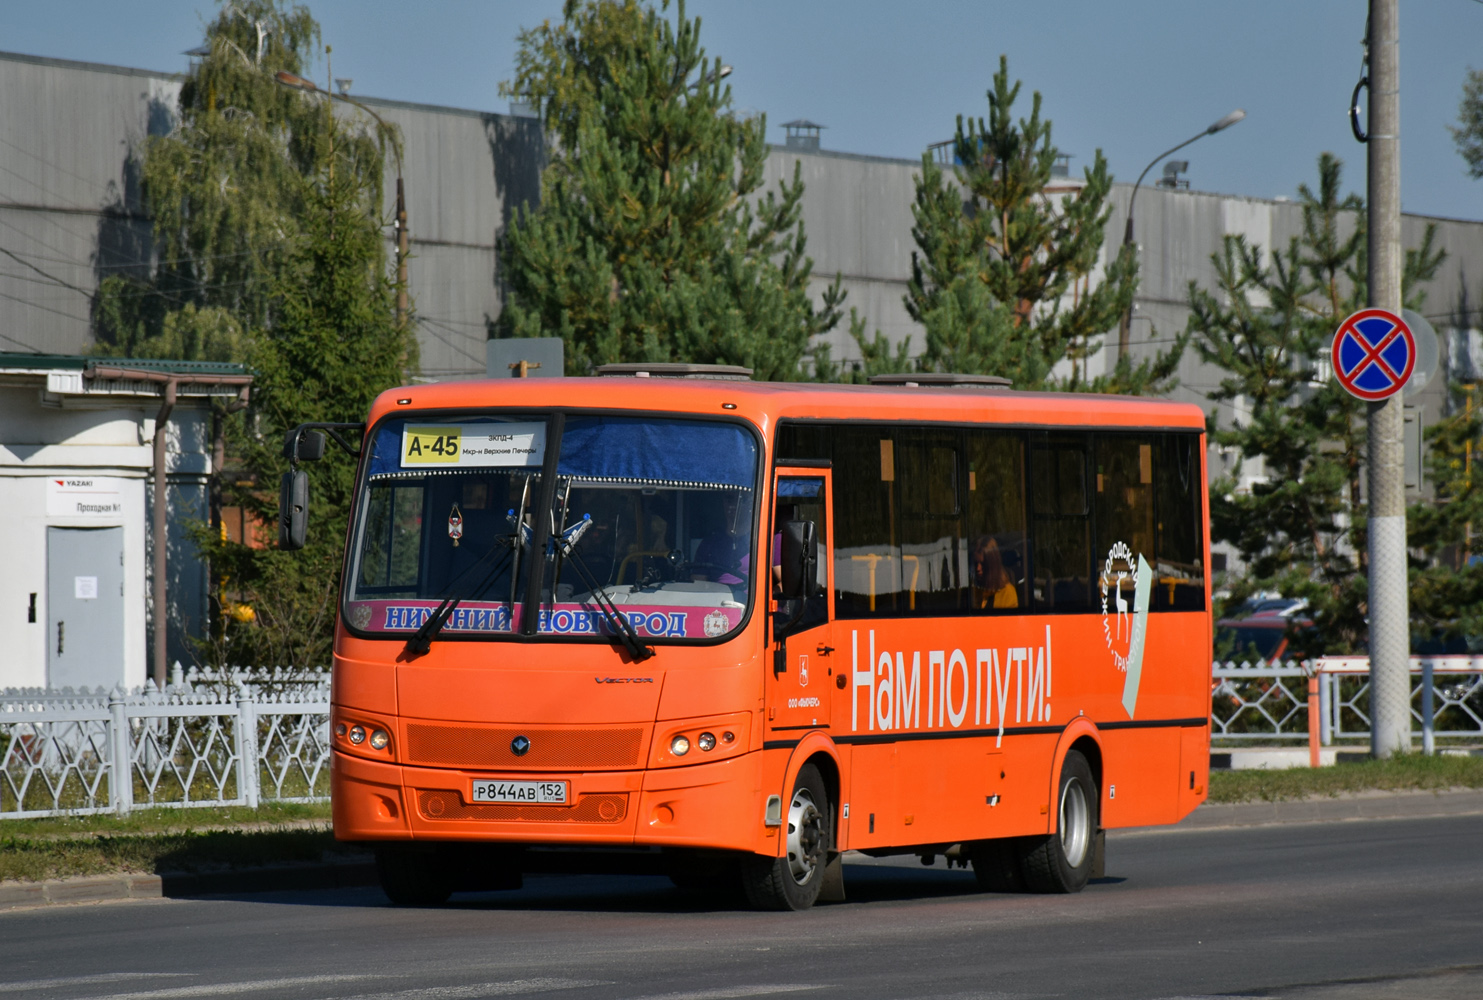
(801, 678)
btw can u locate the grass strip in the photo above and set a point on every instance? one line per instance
(1405, 772)
(34, 859)
(168, 820)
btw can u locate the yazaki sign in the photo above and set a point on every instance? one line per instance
(1374, 354)
(85, 496)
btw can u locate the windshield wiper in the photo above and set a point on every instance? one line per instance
(623, 630)
(421, 641)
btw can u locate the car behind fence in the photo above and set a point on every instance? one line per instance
(234, 737)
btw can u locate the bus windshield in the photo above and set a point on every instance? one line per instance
(652, 516)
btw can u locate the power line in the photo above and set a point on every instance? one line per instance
(37, 305)
(25, 263)
(55, 166)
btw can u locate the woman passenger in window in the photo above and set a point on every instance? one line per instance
(993, 587)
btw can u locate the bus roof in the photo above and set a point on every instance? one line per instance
(765, 403)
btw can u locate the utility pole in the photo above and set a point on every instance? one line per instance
(1390, 638)
(401, 250)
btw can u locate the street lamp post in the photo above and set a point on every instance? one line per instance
(1224, 123)
(299, 83)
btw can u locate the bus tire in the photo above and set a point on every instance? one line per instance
(1062, 861)
(793, 881)
(413, 875)
(997, 865)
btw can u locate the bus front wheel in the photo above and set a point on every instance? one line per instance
(413, 875)
(793, 881)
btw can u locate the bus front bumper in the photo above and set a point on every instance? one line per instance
(716, 805)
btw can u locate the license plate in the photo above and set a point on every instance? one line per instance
(538, 793)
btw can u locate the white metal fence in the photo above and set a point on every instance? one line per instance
(1267, 702)
(234, 738)
(211, 739)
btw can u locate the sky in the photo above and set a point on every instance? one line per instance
(887, 78)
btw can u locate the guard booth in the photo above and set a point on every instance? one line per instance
(77, 470)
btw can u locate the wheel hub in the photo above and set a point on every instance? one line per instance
(805, 836)
(1074, 823)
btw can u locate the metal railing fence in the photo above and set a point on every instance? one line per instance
(1267, 702)
(215, 739)
(237, 737)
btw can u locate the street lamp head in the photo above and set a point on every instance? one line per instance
(286, 78)
(1227, 121)
(724, 73)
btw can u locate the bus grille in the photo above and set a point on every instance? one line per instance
(603, 808)
(470, 746)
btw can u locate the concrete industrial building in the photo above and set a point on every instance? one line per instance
(70, 214)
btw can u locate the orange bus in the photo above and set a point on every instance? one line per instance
(669, 619)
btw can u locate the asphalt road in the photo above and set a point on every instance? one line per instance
(1383, 909)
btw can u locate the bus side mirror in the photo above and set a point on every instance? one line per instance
(310, 446)
(800, 559)
(293, 509)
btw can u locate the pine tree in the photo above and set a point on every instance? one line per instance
(1468, 132)
(1268, 325)
(1003, 274)
(653, 240)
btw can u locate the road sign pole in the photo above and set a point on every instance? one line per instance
(1390, 640)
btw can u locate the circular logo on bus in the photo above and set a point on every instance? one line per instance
(519, 745)
(1117, 623)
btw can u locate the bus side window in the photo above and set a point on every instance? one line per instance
(1062, 532)
(931, 530)
(1179, 571)
(995, 521)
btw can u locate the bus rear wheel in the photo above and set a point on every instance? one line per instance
(413, 875)
(793, 881)
(1062, 861)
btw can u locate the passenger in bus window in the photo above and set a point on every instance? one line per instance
(993, 586)
(725, 555)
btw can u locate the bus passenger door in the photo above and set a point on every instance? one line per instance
(801, 672)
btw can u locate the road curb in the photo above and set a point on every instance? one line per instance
(174, 885)
(1358, 806)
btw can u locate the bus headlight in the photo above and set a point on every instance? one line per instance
(716, 737)
(379, 739)
(357, 735)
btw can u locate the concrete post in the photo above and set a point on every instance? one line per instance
(121, 766)
(246, 747)
(1390, 639)
(1428, 712)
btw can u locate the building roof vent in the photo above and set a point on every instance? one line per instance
(803, 134)
(672, 369)
(949, 380)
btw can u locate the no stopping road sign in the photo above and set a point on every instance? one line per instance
(1374, 353)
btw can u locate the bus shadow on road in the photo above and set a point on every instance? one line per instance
(876, 882)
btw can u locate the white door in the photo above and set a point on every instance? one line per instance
(85, 607)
